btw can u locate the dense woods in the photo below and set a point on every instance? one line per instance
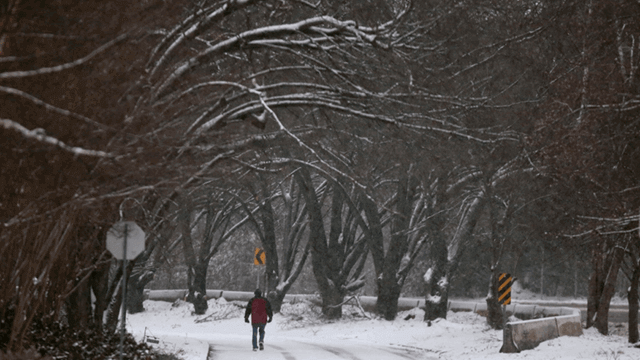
(378, 147)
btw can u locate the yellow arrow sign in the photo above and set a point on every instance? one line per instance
(260, 257)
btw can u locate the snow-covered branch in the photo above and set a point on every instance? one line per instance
(62, 67)
(267, 32)
(50, 107)
(40, 135)
(191, 27)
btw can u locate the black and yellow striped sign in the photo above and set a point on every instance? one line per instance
(504, 288)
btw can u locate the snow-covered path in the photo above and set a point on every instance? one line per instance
(295, 334)
(288, 338)
(236, 347)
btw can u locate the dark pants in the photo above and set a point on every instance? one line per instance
(257, 327)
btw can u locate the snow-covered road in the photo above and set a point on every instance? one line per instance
(300, 333)
(233, 347)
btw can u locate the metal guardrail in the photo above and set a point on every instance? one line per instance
(368, 302)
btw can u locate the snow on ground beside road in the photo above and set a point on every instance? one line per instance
(460, 336)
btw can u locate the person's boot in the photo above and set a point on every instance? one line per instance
(261, 345)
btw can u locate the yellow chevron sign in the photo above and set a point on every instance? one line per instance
(504, 288)
(260, 257)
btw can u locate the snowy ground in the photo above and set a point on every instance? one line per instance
(518, 294)
(299, 333)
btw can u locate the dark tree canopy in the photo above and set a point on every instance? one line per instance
(413, 131)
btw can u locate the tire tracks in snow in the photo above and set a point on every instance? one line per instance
(287, 355)
(344, 354)
(340, 353)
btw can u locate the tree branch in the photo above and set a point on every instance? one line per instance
(50, 107)
(53, 69)
(38, 134)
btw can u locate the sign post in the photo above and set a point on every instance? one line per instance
(504, 298)
(125, 241)
(260, 259)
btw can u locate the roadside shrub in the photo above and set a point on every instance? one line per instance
(61, 341)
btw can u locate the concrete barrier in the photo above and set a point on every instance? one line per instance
(527, 334)
(540, 323)
(569, 325)
(525, 312)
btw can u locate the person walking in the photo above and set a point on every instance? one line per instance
(260, 310)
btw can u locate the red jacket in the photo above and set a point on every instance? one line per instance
(260, 309)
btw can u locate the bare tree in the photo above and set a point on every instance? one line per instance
(223, 80)
(53, 136)
(589, 140)
(407, 220)
(631, 269)
(511, 208)
(446, 254)
(219, 220)
(337, 255)
(281, 235)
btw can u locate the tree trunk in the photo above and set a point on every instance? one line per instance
(196, 271)
(269, 240)
(290, 275)
(390, 284)
(602, 316)
(276, 298)
(114, 297)
(135, 297)
(115, 301)
(436, 306)
(445, 259)
(331, 295)
(135, 289)
(99, 282)
(387, 302)
(437, 298)
(197, 281)
(595, 289)
(331, 301)
(633, 305)
(494, 311)
(376, 246)
(494, 316)
(142, 273)
(436, 284)
(79, 314)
